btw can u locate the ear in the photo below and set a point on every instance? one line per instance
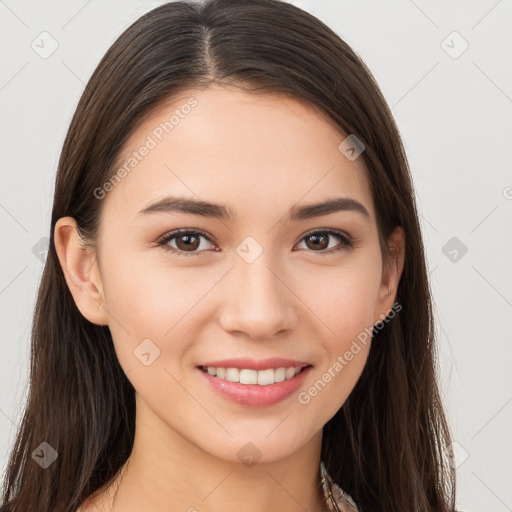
(391, 272)
(78, 262)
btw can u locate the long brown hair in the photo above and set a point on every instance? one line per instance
(386, 444)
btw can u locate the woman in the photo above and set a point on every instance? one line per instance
(190, 351)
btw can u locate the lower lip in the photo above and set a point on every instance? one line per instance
(254, 395)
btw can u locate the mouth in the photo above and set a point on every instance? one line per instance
(249, 376)
(254, 388)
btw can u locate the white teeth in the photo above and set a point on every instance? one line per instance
(233, 374)
(290, 372)
(247, 376)
(279, 374)
(266, 377)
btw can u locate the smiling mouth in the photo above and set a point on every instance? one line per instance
(254, 377)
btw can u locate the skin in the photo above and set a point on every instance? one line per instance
(259, 155)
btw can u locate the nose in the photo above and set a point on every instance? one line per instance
(259, 302)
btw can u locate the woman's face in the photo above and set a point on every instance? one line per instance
(256, 283)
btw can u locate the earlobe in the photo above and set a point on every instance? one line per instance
(81, 271)
(391, 274)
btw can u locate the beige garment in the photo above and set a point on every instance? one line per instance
(336, 498)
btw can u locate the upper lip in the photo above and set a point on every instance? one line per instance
(253, 364)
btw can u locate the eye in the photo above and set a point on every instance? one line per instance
(320, 240)
(189, 240)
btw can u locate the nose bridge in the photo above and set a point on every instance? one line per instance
(258, 302)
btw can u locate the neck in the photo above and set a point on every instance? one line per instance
(164, 468)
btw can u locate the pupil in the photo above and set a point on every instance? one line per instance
(317, 238)
(188, 239)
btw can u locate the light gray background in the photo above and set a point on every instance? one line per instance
(454, 114)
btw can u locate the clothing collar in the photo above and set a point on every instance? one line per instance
(337, 500)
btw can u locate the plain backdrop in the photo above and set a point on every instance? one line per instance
(445, 68)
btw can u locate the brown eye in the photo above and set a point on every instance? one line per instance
(318, 241)
(187, 242)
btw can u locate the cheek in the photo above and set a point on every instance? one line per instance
(343, 301)
(343, 349)
(156, 302)
(343, 298)
(151, 308)
(332, 384)
(149, 298)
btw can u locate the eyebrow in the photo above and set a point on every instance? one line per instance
(221, 212)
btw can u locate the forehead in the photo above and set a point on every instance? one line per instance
(254, 153)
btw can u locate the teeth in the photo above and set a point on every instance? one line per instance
(290, 372)
(279, 374)
(266, 377)
(233, 374)
(247, 376)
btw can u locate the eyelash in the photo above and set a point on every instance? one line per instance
(346, 241)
